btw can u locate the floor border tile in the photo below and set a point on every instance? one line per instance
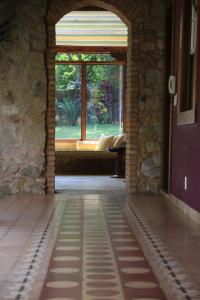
(20, 283)
(173, 278)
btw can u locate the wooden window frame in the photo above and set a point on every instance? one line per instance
(91, 49)
(83, 86)
(188, 116)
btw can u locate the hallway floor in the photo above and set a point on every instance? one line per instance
(89, 184)
(96, 243)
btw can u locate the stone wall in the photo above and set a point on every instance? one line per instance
(22, 97)
(27, 158)
(151, 98)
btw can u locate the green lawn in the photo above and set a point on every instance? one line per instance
(93, 131)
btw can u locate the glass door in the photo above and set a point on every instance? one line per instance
(104, 100)
(68, 102)
(89, 99)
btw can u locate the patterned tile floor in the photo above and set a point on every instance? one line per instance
(81, 245)
(96, 256)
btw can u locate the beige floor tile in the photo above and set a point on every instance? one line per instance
(20, 215)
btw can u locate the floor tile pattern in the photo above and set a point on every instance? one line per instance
(168, 238)
(21, 280)
(163, 261)
(97, 257)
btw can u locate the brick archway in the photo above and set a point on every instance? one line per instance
(135, 15)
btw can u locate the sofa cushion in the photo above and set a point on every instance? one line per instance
(119, 140)
(65, 146)
(86, 145)
(104, 142)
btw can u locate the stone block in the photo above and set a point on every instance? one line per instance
(31, 171)
(149, 169)
(5, 189)
(152, 146)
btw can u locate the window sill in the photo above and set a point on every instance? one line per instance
(59, 140)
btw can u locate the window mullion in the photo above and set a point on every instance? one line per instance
(83, 118)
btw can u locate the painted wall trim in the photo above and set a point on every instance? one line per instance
(190, 212)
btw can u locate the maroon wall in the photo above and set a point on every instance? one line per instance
(185, 144)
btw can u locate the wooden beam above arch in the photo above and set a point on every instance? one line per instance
(91, 49)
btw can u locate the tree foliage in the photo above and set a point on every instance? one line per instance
(102, 90)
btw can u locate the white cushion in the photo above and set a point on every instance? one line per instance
(104, 142)
(119, 139)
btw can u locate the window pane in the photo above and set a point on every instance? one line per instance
(68, 101)
(104, 100)
(188, 56)
(84, 57)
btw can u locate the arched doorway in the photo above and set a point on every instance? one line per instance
(144, 68)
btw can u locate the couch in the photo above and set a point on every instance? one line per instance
(86, 157)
